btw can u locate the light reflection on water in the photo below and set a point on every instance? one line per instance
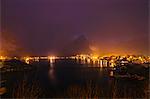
(111, 73)
(95, 63)
(64, 74)
(71, 75)
(51, 73)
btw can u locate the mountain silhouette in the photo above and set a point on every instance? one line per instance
(80, 45)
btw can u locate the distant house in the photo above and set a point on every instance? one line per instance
(122, 62)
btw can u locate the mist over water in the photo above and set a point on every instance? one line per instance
(74, 49)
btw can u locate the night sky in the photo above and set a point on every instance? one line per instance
(42, 27)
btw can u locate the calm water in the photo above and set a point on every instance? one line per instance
(68, 78)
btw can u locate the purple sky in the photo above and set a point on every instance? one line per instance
(45, 26)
